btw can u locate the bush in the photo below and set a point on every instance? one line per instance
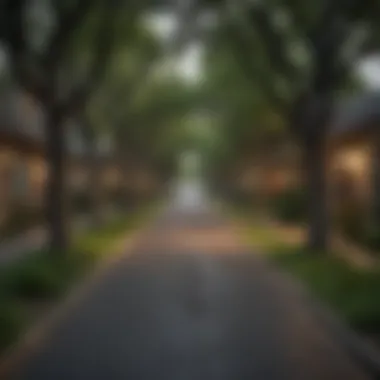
(81, 202)
(290, 206)
(38, 277)
(242, 198)
(41, 277)
(22, 217)
(355, 228)
(11, 322)
(350, 221)
(372, 237)
(350, 292)
(125, 198)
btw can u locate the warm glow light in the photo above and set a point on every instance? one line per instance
(354, 161)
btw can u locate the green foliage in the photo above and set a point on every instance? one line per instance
(44, 277)
(365, 235)
(356, 228)
(352, 293)
(81, 202)
(12, 319)
(21, 218)
(372, 237)
(248, 120)
(290, 205)
(120, 197)
(350, 221)
(122, 28)
(36, 278)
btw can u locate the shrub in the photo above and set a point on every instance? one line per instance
(240, 198)
(350, 292)
(21, 218)
(11, 322)
(39, 277)
(81, 202)
(351, 223)
(290, 206)
(355, 228)
(43, 276)
(125, 198)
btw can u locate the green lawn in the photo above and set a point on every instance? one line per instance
(42, 278)
(351, 292)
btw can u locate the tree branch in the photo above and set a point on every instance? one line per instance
(260, 19)
(241, 49)
(24, 64)
(67, 24)
(103, 48)
(326, 40)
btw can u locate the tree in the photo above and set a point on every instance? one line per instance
(246, 118)
(109, 105)
(43, 73)
(303, 92)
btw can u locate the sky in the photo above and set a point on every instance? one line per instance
(369, 71)
(188, 64)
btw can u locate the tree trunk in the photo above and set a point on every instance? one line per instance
(95, 190)
(95, 175)
(56, 192)
(316, 185)
(375, 204)
(128, 176)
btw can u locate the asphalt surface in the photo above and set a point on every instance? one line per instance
(188, 312)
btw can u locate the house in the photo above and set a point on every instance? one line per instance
(23, 167)
(267, 173)
(353, 138)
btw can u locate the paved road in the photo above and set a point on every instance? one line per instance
(186, 309)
